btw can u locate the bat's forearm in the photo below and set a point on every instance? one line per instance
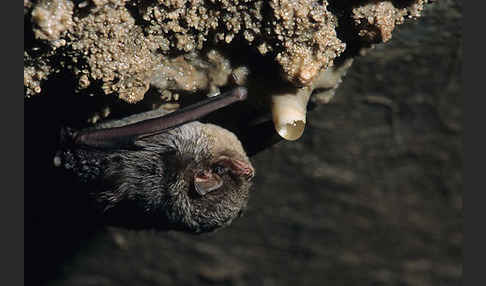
(116, 136)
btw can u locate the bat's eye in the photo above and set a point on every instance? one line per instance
(220, 170)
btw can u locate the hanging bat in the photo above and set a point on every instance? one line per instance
(165, 172)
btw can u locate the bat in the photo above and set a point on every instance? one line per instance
(163, 170)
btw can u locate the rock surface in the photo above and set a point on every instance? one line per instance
(117, 46)
(370, 195)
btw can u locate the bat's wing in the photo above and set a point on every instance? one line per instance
(132, 119)
(123, 133)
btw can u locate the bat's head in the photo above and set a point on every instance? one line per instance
(196, 178)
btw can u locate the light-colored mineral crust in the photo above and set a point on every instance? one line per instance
(35, 71)
(305, 29)
(114, 51)
(51, 18)
(123, 47)
(300, 33)
(376, 20)
(328, 80)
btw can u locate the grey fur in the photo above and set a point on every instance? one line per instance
(156, 180)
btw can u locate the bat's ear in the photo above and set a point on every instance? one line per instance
(237, 167)
(206, 181)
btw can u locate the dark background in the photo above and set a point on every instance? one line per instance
(370, 195)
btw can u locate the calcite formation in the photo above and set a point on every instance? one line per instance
(125, 47)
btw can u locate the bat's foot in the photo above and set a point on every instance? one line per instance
(57, 159)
